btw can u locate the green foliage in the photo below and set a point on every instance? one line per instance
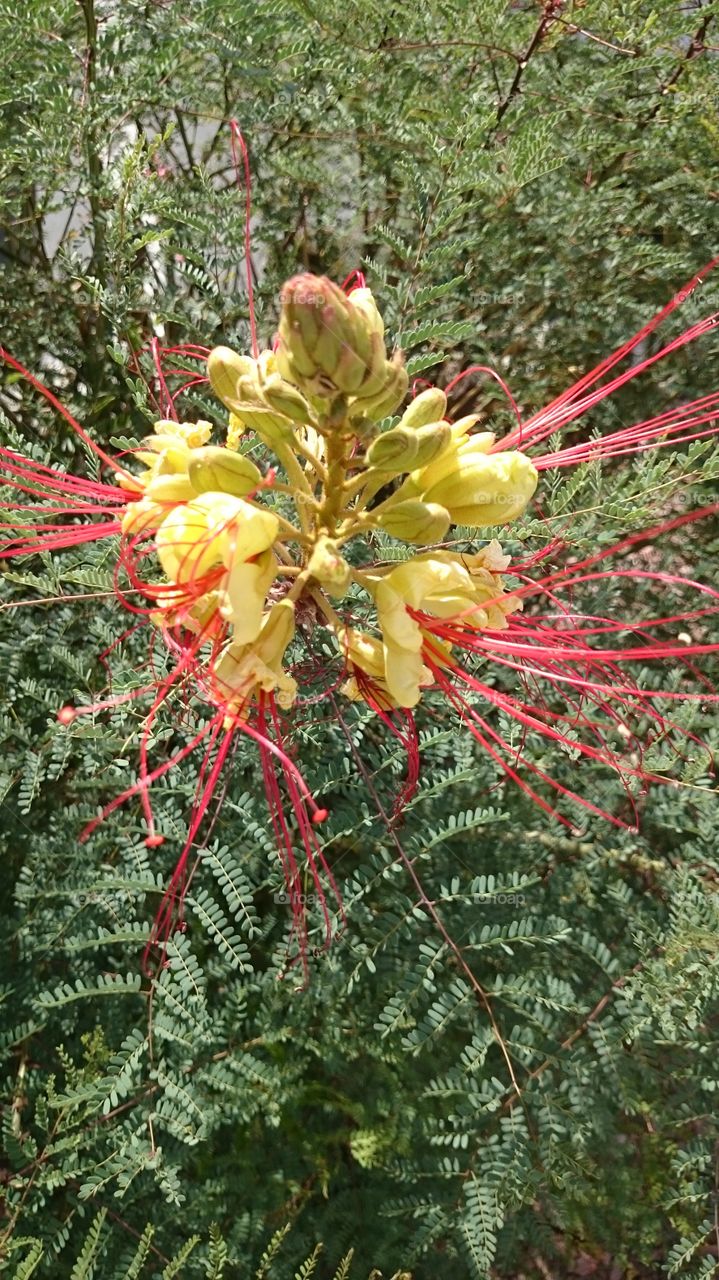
(524, 186)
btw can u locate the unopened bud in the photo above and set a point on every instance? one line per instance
(363, 300)
(271, 426)
(221, 470)
(286, 399)
(395, 381)
(432, 441)
(415, 521)
(394, 451)
(429, 406)
(225, 368)
(248, 390)
(170, 488)
(327, 345)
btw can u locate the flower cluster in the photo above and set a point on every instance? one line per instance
(252, 550)
(241, 550)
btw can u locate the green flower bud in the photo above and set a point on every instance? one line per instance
(385, 402)
(432, 441)
(269, 425)
(429, 406)
(394, 451)
(214, 469)
(248, 390)
(225, 368)
(415, 521)
(328, 346)
(363, 300)
(286, 399)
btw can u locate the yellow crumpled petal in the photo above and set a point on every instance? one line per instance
(214, 528)
(243, 594)
(446, 585)
(245, 669)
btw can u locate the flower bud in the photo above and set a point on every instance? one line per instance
(429, 406)
(272, 427)
(432, 441)
(363, 300)
(415, 521)
(327, 345)
(221, 470)
(225, 368)
(394, 451)
(286, 399)
(484, 489)
(381, 404)
(328, 566)
(170, 488)
(248, 390)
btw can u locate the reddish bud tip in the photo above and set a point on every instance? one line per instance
(154, 842)
(319, 815)
(66, 715)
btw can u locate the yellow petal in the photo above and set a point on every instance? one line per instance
(404, 673)
(244, 593)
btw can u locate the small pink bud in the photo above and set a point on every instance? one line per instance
(320, 815)
(66, 715)
(154, 842)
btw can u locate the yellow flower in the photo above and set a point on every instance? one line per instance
(364, 655)
(244, 592)
(218, 529)
(167, 455)
(170, 448)
(446, 586)
(244, 670)
(142, 517)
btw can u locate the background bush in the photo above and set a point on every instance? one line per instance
(524, 184)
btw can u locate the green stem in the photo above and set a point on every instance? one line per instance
(300, 483)
(333, 491)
